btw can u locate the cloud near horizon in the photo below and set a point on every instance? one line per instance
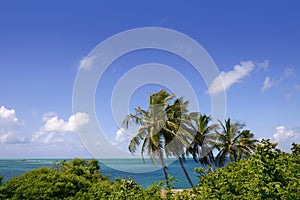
(226, 79)
(9, 126)
(53, 123)
(119, 136)
(285, 137)
(54, 128)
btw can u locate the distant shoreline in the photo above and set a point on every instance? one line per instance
(15, 167)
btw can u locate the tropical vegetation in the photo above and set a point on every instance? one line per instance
(202, 145)
(171, 130)
(268, 173)
(236, 165)
(233, 142)
(152, 132)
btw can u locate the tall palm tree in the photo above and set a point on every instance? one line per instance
(152, 123)
(203, 143)
(177, 135)
(233, 142)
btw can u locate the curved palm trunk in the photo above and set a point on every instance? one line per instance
(164, 168)
(185, 172)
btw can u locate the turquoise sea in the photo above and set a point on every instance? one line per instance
(10, 168)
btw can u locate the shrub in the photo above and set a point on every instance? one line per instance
(267, 174)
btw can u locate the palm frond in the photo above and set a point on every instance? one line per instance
(143, 113)
(135, 141)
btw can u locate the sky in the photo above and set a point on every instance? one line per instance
(45, 45)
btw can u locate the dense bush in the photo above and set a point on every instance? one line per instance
(77, 179)
(73, 178)
(267, 174)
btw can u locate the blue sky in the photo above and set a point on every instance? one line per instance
(254, 44)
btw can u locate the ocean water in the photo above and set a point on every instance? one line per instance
(122, 168)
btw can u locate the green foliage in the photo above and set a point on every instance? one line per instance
(295, 148)
(1, 178)
(170, 130)
(127, 189)
(233, 142)
(77, 179)
(43, 183)
(80, 167)
(151, 134)
(267, 174)
(201, 171)
(201, 147)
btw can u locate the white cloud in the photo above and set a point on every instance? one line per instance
(87, 62)
(54, 127)
(11, 138)
(267, 84)
(286, 137)
(123, 136)
(53, 123)
(77, 121)
(120, 136)
(9, 127)
(226, 79)
(8, 114)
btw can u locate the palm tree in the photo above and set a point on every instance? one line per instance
(233, 142)
(177, 135)
(203, 143)
(152, 123)
(247, 144)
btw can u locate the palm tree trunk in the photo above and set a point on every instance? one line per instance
(185, 172)
(164, 168)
